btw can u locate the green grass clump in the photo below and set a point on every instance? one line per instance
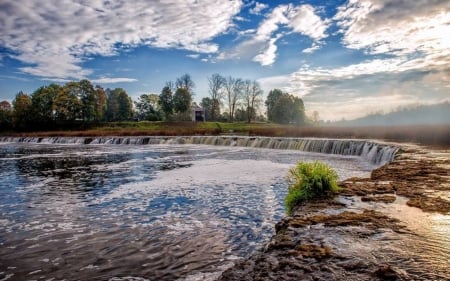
(308, 181)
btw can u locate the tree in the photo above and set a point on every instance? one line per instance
(233, 89)
(287, 109)
(182, 102)
(166, 102)
(298, 110)
(147, 107)
(100, 103)
(42, 101)
(120, 105)
(87, 95)
(251, 95)
(272, 98)
(66, 106)
(21, 110)
(282, 110)
(186, 83)
(5, 115)
(206, 104)
(215, 83)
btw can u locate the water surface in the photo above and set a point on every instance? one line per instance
(160, 212)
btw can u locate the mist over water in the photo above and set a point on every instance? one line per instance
(161, 212)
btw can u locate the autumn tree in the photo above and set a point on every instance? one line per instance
(100, 103)
(182, 100)
(5, 115)
(21, 110)
(67, 105)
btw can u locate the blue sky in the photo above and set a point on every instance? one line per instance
(344, 58)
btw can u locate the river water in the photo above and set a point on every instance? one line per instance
(157, 212)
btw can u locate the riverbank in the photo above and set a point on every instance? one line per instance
(438, 135)
(391, 226)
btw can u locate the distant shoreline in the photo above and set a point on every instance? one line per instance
(428, 135)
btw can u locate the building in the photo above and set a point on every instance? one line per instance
(198, 114)
(5, 106)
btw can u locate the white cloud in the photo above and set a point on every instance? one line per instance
(396, 27)
(304, 20)
(55, 37)
(113, 80)
(311, 49)
(261, 46)
(408, 52)
(268, 56)
(193, 56)
(258, 8)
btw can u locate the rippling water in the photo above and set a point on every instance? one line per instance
(161, 212)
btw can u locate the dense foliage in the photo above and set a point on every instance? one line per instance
(81, 104)
(74, 103)
(308, 181)
(284, 108)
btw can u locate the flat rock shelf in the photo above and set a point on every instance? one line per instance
(391, 226)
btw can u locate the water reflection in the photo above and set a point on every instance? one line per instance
(160, 212)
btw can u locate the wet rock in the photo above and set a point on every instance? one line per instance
(389, 273)
(323, 240)
(379, 198)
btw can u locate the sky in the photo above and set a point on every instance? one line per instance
(345, 59)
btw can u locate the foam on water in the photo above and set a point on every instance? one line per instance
(102, 211)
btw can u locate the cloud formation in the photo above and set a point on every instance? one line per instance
(261, 47)
(402, 39)
(55, 37)
(258, 8)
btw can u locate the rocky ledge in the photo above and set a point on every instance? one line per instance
(391, 226)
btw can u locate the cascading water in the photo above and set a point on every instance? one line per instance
(373, 152)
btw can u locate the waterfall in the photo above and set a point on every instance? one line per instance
(373, 152)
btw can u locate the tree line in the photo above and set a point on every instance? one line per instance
(81, 103)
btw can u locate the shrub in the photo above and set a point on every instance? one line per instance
(309, 180)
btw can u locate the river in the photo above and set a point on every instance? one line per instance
(155, 212)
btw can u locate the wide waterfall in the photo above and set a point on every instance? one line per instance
(376, 153)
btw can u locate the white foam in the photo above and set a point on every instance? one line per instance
(208, 172)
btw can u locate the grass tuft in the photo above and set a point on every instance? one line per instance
(308, 181)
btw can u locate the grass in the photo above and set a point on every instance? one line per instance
(308, 181)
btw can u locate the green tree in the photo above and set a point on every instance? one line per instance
(272, 98)
(166, 102)
(147, 107)
(66, 106)
(182, 102)
(206, 104)
(88, 98)
(5, 116)
(120, 105)
(42, 101)
(288, 109)
(282, 110)
(21, 110)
